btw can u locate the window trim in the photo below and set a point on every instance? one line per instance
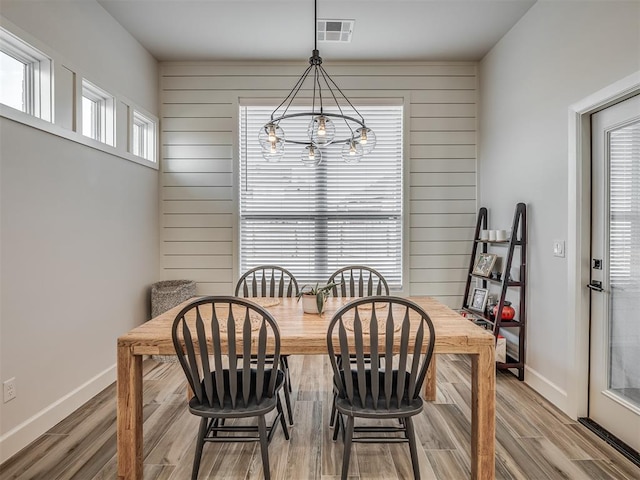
(138, 118)
(58, 63)
(37, 93)
(103, 122)
(389, 98)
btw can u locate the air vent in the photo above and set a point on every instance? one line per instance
(335, 30)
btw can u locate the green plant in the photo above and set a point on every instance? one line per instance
(321, 293)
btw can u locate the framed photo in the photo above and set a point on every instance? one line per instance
(479, 299)
(484, 264)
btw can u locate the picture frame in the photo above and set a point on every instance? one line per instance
(479, 299)
(484, 264)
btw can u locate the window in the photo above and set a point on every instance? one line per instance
(143, 136)
(624, 210)
(25, 77)
(316, 220)
(97, 114)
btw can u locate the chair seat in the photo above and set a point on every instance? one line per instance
(251, 408)
(406, 408)
(368, 411)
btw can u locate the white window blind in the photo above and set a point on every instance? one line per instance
(624, 206)
(313, 221)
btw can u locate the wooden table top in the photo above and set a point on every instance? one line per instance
(303, 333)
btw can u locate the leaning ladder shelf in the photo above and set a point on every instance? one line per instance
(516, 247)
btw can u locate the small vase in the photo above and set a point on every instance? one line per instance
(310, 304)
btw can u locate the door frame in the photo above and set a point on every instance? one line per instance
(579, 236)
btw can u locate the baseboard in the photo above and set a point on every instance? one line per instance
(22, 435)
(546, 388)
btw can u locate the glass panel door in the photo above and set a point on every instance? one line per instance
(614, 393)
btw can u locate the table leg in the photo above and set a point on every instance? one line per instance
(129, 408)
(483, 414)
(430, 381)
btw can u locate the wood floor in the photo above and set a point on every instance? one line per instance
(534, 439)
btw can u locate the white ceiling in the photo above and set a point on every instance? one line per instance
(427, 30)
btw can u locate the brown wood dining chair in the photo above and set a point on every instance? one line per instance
(206, 333)
(399, 338)
(275, 282)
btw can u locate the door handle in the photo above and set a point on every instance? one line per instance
(596, 286)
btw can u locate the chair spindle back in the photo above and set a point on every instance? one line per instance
(212, 335)
(267, 281)
(358, 281)
(380, 348)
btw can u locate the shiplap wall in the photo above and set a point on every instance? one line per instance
(199, 135)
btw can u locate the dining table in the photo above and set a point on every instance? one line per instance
(306, 334)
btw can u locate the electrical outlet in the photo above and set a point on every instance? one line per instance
(9, 388)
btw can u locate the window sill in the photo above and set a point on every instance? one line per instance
(53, 129)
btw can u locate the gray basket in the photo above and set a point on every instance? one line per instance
(164, 296)
(169, 293)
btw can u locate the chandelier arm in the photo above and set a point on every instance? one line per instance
(325, 75)
(327, 114)
(292, 94)
(312, 114)
(324, 72)
(317, 79)
(313, 98)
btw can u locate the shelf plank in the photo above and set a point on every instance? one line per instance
(501, 242)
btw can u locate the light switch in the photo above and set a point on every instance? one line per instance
(558, 248)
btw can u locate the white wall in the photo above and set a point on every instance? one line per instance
(91, 40)
(558, 54)
(78, 231)
(199, 169)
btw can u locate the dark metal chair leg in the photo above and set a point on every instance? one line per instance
(264, 447)
(334, 412)
(202, 431)
(284, 361)
(411, 435)
(282, 420)
(287, 401)
(284, 366)
(346, 456)
(336, 426)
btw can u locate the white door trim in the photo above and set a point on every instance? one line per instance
(579, 232)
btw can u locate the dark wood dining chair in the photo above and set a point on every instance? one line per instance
(356, 281)
(275, 282)
(205, 333)
(399, 338)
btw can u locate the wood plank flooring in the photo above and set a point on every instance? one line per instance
(534, 439)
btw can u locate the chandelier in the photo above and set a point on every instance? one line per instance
(321, 132)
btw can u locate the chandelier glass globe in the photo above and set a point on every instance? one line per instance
(321, 130)
(273, 151)
(366, 138)
(311, 155)
(269, 134)
(352, 152)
